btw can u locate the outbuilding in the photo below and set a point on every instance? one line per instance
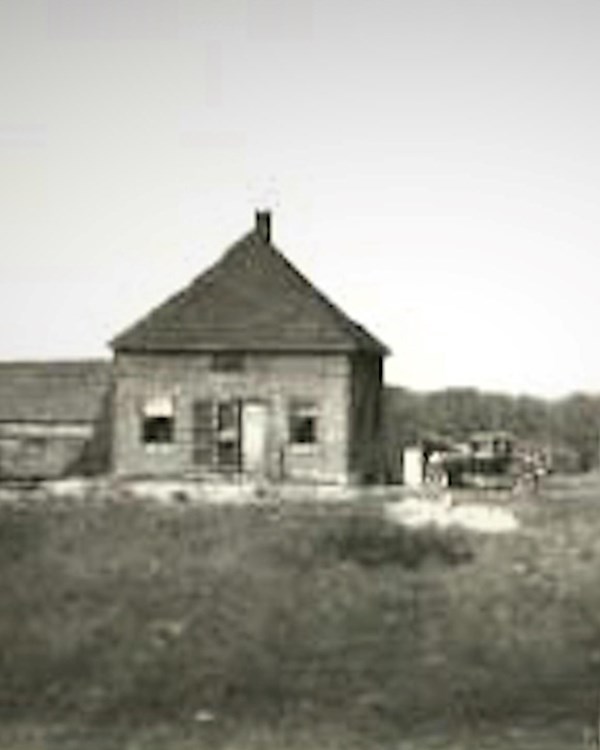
(54, 418)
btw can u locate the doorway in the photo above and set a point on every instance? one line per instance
(254, 437)
(230, 436)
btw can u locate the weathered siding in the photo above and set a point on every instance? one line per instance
(54, 418)
(274, 379)
(366, 448)
(36, 451)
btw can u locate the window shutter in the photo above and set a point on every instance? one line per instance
(203, 433)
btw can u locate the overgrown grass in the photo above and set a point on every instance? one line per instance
(228, 624)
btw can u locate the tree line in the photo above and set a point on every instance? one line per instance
(569, 427)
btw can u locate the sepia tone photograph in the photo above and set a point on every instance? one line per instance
(299, 375)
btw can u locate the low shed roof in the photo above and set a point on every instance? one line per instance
(252, 299)
(66, 391)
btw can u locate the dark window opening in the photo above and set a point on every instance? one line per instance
(228, 435)
(158, 421)
(227, 416)
(157, 430)
(228, 455)
(303, 424)
(227, 362)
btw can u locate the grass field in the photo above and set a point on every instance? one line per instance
(127, 625)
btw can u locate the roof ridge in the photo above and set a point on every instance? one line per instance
(242, 300)
(58, 361)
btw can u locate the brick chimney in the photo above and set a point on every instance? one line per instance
(263, 225)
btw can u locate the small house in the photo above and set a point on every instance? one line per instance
(249, 371)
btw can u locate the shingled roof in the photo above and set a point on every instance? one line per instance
(59, 391)
(252, 299)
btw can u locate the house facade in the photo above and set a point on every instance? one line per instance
(248, 372)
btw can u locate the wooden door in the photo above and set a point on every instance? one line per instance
(254, 437)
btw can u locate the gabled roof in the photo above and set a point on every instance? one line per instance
(252, 299)
(69, 391)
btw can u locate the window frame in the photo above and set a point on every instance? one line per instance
(217, 435)
(301, 414)
(158, 422)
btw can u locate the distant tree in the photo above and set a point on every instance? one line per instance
(576, 423)
(456, 412)
(404, 416)
(531, 418)
(571, 426)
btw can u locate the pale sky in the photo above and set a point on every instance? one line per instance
(432, 165)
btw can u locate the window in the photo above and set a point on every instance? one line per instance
(228, 417)
(303, 423)
(158, 421)
(216, 429)
(228, 455)
(227, 362)
(228, 435)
